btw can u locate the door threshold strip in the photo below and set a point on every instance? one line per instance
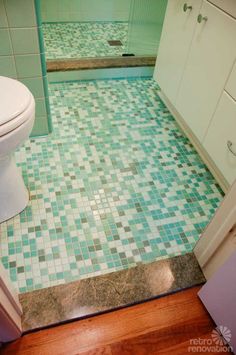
(88, 297)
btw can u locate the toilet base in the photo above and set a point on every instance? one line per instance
(14, 196)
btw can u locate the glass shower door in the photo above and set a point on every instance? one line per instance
(145, 26)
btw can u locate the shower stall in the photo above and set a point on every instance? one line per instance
(85, 29)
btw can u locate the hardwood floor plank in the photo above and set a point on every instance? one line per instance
(159, 341)
(98, 351)
(168, 321)
(183, 348)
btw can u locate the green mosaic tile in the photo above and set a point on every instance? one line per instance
(84, 39)
(116, 184)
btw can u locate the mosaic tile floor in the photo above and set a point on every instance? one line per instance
(85, 39)
(114, 185)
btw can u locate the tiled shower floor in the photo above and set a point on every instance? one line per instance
(84, 39)
(114, 185)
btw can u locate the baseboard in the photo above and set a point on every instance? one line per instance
(96, 74)
(195, 142)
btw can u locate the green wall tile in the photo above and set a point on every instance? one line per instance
(40, 107)
(28, 65)
(7, 66)
(5, 42)
(40, 127)
(25, 40)
(35, 85)
(20, 13)
(3, 17)
(21, 54)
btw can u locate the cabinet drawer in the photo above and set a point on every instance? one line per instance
(231, 84)
(228, 6)
(223, 129)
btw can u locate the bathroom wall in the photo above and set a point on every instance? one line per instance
(85, 10)
(22, 54)
(145, 27)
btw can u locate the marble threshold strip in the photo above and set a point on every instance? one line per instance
(99, 63)
(88, 297)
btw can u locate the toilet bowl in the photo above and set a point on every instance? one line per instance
(17, 113)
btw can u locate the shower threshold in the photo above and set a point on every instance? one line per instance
(100, 63)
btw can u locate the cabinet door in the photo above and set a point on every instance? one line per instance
(222, 130)
(231, 83)
(175, 42)
(210, 61)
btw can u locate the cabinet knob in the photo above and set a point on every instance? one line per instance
(230, 147)
(187, 7)
(201, 18)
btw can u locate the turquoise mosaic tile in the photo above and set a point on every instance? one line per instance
(116, 184)
(84, 39)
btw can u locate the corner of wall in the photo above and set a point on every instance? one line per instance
(22, 54)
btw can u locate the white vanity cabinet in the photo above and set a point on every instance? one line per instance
(210, 61)
(220, 141)
(231, 83)
(194, 76)
(177, 33)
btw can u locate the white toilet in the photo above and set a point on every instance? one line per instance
(17, 113)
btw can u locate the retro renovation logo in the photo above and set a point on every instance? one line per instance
(218, 343)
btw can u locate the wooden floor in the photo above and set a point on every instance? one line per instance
(162, 326)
